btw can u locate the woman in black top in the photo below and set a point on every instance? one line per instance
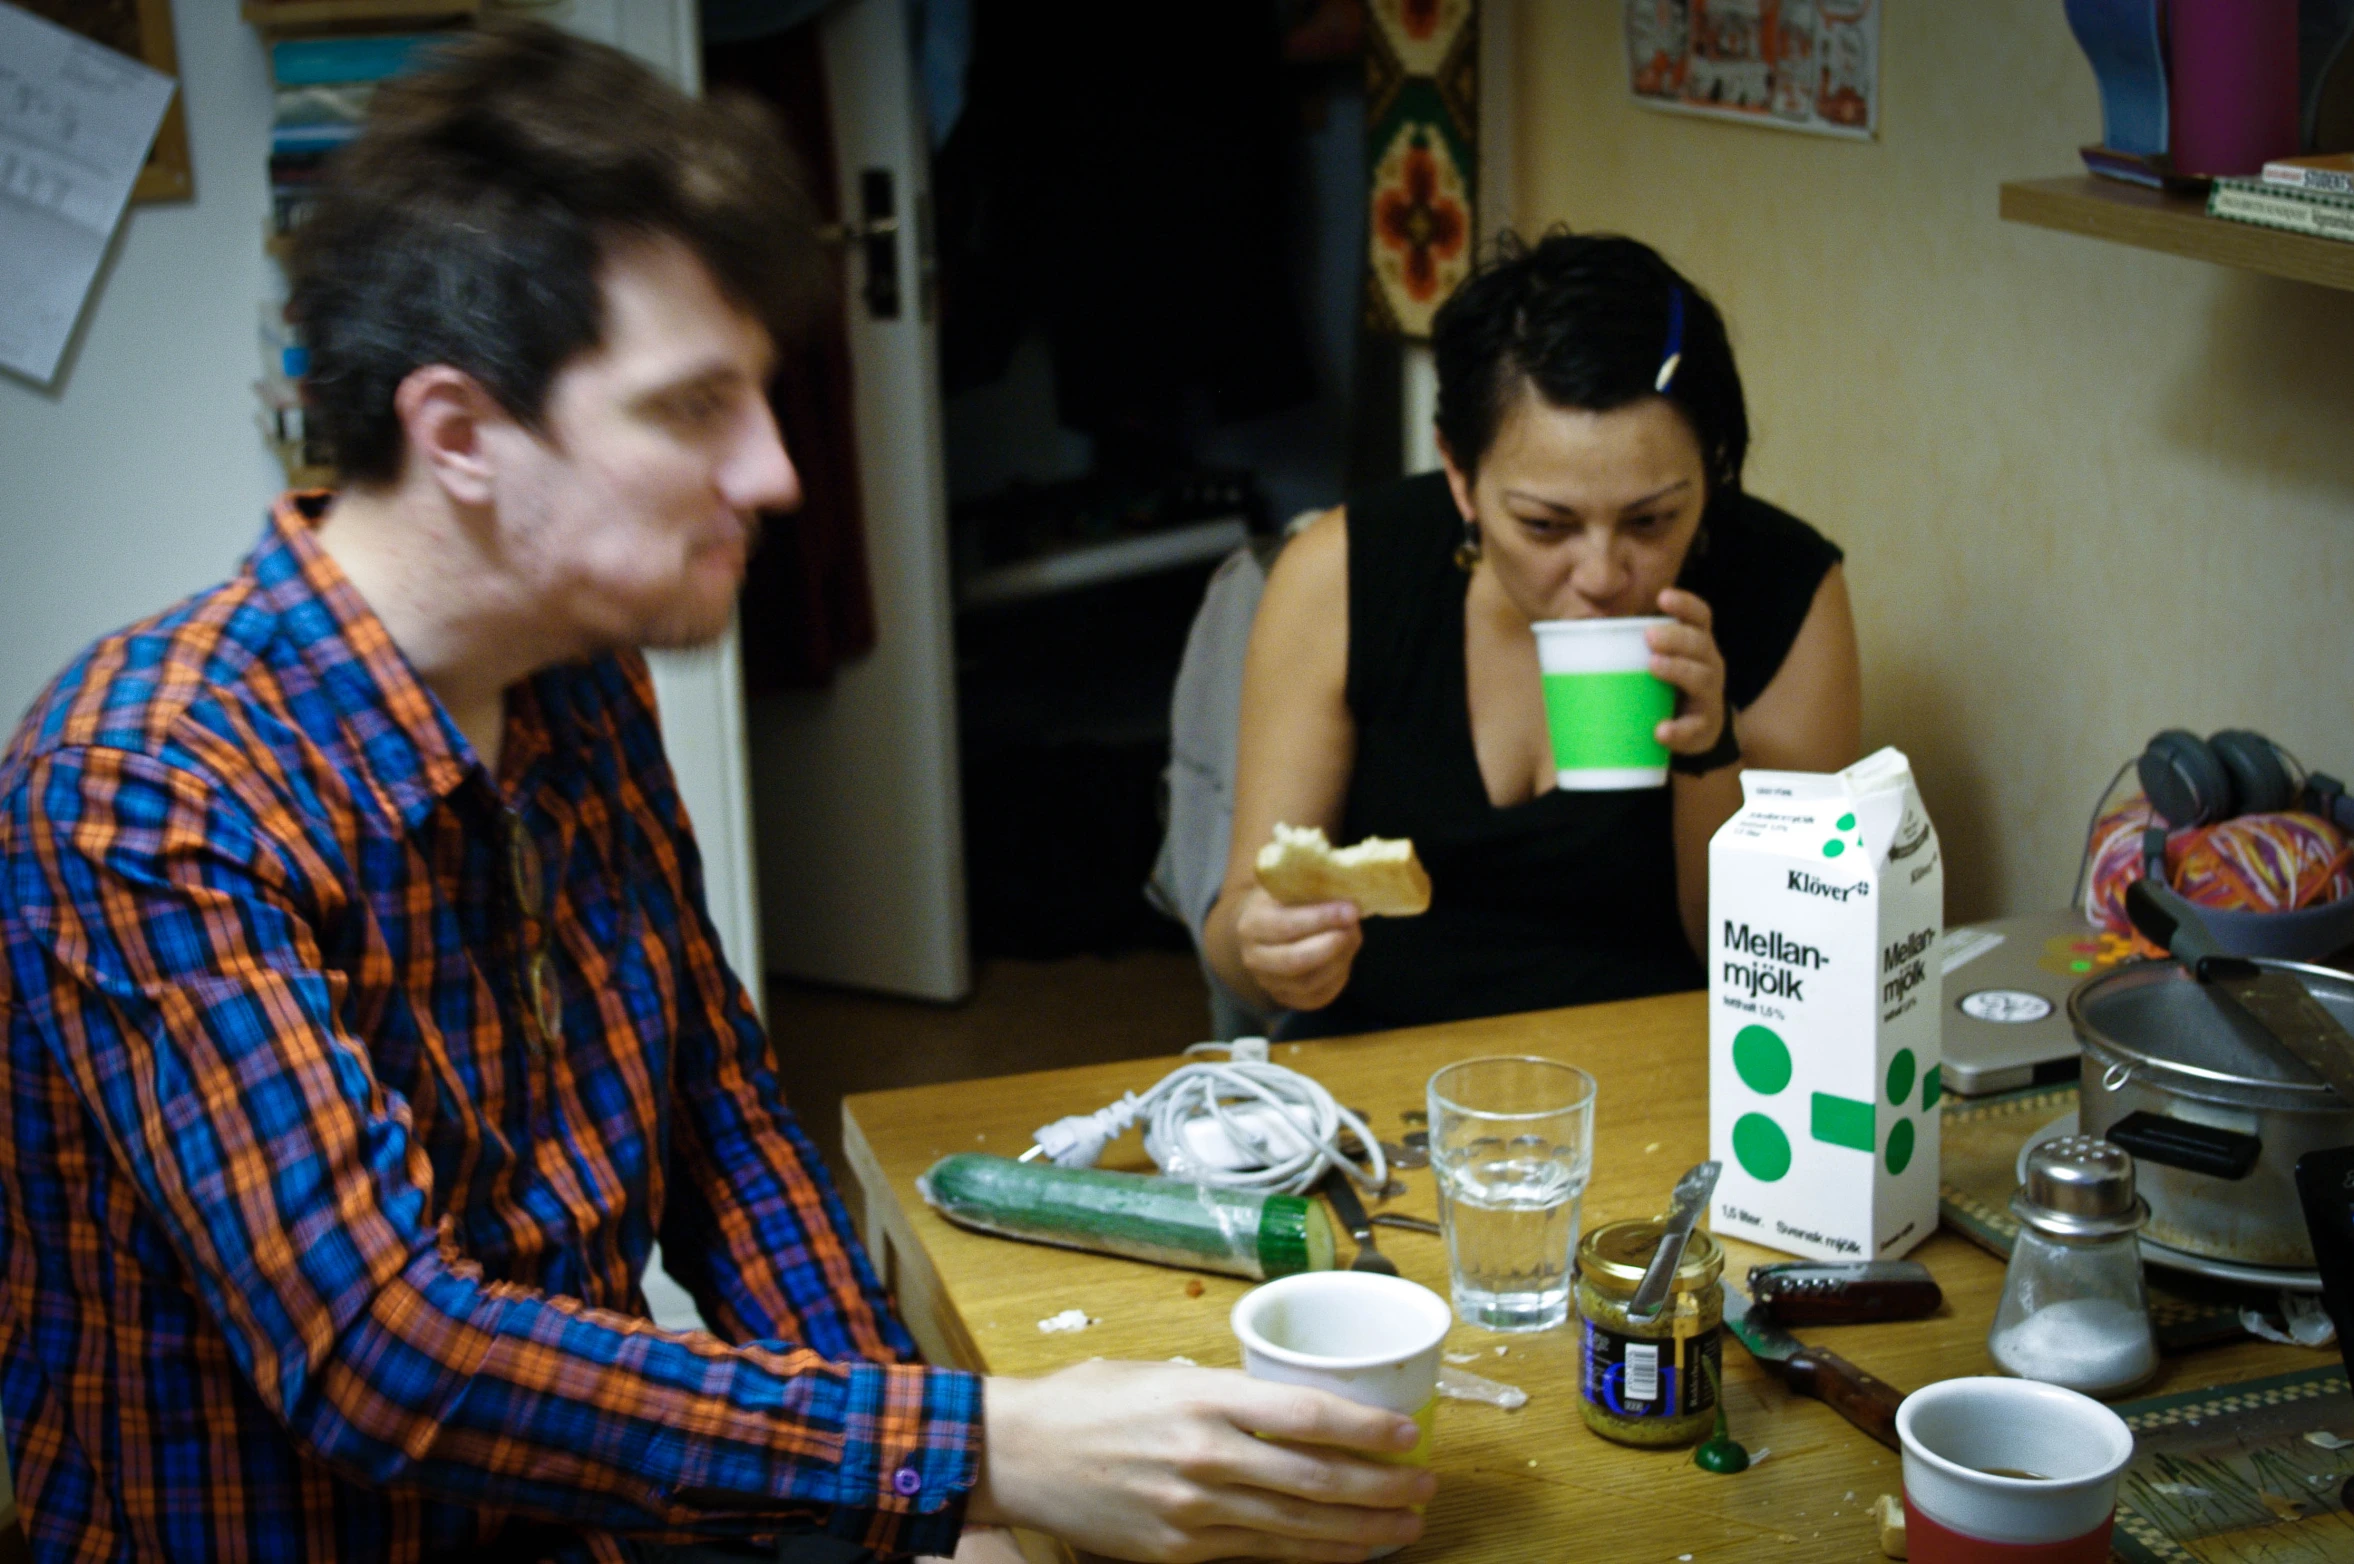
(1593, 432)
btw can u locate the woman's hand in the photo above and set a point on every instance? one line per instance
(1685, 655)
(1299, 955)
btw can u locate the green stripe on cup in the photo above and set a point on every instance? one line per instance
(1606, 721)
(1842, 1121)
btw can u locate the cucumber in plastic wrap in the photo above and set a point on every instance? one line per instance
(1236, 1232)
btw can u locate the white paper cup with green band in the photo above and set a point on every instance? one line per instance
(1603, 704)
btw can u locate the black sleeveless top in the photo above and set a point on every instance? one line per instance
(1569, 898)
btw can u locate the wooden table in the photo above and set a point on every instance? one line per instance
(1532, 1484)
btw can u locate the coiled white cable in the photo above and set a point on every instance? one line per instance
(1242, 1123)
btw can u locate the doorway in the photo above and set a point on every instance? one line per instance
(1150, 243)
(1127, 268)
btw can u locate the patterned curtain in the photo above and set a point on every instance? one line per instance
(1422, 151)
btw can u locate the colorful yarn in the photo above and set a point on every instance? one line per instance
(2252, 863)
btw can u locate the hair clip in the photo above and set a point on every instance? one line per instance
(1675, 340)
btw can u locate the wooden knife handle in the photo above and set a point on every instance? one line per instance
(1869, 1403)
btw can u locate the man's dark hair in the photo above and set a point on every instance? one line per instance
(467, 223)
(1585, 320)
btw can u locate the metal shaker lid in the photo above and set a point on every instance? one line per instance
(2080, 1186)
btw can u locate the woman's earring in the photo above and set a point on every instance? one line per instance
(1467, 551)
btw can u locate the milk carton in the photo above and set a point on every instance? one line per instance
(1826, 898)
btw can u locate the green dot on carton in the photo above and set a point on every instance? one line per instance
(1847, 822)
(1931, 1087)
(1900, 1076)
(1900, 1146)
(1761, 1148)
(1761, 1059)
(1834, 848)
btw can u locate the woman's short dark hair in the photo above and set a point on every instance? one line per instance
(466, 225)
(1584, 319)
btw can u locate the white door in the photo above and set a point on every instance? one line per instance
(701, 694)
(854, 788)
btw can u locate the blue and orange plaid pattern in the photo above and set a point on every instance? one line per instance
(318, 1237)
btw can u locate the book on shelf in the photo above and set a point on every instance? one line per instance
(295, 140)
(2324, 173)
(2243, 200)
(322, 103)
(2151, 169)
(363, 57)
(294, 184)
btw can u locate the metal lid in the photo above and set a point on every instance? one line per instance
(2154, 1019)
(1615, 1256)
(2080, 1186)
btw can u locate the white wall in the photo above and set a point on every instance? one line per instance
(139, 476)
(2086, 491)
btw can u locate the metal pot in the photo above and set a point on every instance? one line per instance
(2214, 1111)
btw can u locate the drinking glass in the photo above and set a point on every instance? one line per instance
(1512, 1142)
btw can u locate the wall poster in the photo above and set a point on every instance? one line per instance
(1809, 65)
(141, 29)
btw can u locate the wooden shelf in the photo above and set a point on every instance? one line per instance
(281, 17)
(2178, 225)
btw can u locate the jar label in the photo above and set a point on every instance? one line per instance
(1647, 1376)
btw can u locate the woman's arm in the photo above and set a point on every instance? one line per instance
(1808, 718)
(1293, 758)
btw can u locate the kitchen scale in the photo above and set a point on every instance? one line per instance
(2006, 999)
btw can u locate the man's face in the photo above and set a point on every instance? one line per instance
(632, 515)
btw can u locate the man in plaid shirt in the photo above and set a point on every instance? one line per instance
(365, 1026)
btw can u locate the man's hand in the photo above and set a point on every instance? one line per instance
(1158, 1462)
(981, 1545)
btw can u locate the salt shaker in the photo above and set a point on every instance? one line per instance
(2074, 1311)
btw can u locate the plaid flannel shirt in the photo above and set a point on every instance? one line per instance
(335, 1144)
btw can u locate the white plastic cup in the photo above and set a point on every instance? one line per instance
(1370, 1338)
(1957, 1434)
(1603, 704)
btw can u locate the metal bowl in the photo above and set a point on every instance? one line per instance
(2157, 1041)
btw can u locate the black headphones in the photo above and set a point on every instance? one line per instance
(2193, 781)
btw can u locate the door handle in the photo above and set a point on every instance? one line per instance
(876, 233)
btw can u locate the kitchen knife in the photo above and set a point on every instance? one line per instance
(1683, 1209)
(1869, 1403)
(2274, 1000)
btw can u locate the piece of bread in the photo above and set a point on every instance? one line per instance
(1382, 877)
(1888, 1511)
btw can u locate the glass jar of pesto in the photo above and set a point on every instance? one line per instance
(1651, 1382)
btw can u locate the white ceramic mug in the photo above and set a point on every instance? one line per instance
(1603, 705)
(1960, 1438)
(1372, 1339)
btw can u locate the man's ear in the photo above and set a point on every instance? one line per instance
(444, 413)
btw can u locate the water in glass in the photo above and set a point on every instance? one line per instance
(1512, 1140)
(1510, 1209)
